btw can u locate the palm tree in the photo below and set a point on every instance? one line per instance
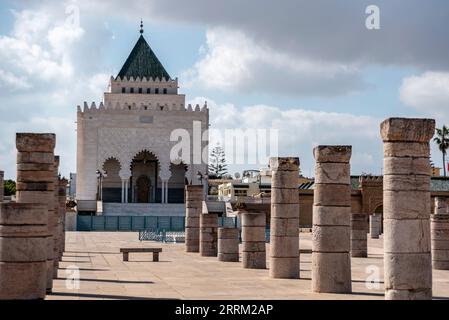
(442, 140)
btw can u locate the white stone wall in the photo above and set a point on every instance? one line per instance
(127, 124)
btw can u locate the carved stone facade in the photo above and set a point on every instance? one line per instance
(124, 144)
(372, 193)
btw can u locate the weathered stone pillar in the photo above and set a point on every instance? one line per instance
(23, 251)
(407, 258)
(55, 223)
(253, 240)
(375, 222)
(440, 241)
(228, 244)
(359, 235)
(62, 197)
(284, 221)
(2, 186)
(440, 205)
(208, 234)
(36, 183)
(194, 198)
(439, 232)
(331, 261)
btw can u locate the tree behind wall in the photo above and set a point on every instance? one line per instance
(217, 163)
(442, 141)
(10, 188)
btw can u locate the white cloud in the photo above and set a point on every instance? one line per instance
(37, 49)
(427, 93)
(233, 61)
(43, 77)
(301, 130)
(13, 82)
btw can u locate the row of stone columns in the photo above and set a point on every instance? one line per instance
(204, 236)
(32, 233)
(125, 188)
(406, 200)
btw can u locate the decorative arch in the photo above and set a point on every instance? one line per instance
(177, 182)
(125, 143)
(379, 209)
(109, 159)
(111, 182)
(144, 168)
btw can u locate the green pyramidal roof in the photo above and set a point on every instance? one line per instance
(142, 62)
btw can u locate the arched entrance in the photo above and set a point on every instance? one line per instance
(177, 182)
(111, 182)
(144, 180)
(143, 189)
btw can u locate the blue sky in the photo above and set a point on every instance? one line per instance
(311, 70)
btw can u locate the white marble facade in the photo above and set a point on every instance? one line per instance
(128, 136)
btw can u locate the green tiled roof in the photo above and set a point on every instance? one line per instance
(142, 62)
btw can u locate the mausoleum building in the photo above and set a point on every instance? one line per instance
(125, 163)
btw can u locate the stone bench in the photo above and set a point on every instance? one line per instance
(127, 251)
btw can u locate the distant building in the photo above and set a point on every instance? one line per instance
(436, 172)
(254, 183)
(72, 186)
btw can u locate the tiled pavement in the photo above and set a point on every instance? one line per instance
(181, 275)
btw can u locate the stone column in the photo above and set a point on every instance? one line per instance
(407, 258)
(166, 191)
(194, 198)
(55, 223)
(440, 205)
(359, 235)
(253, 240)
(23, 251)
(62, 197)
(36, 183)
(208, 234)
(2, 186)
(284, 223)
(375, 222)
(331, 238)
(439, 232)
(126, 190)
(228, 244)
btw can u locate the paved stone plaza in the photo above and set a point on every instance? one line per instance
(182, 275)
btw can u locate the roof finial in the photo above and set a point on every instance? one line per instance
(141, 26)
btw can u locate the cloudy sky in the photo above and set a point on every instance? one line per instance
(310, 69)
